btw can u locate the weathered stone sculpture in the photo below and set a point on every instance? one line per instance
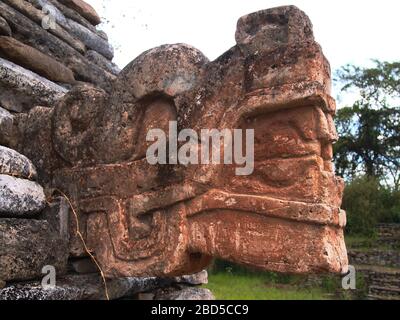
(141, 219)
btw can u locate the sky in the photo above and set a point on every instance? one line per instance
(350, 31)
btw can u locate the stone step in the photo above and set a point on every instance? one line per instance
(390, 243)
(392, 293)
(395, 274)
(386, 281)
(375, 257)
(379, 297)
(389, 233)
(392, 228)
(378, 272)
(84, 9)
(90, 39)
(380, 277)
(41, 18)
(79, 287)
(102, 62)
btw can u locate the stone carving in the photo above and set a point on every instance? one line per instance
(168, 220)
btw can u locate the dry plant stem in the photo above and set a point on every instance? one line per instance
(78, 232)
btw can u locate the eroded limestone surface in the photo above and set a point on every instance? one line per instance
(168, 220)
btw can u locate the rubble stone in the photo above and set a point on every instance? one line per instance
(190, 293)
(26, 246)
(193, 279)
(6, 126)
(80, 287)
(4, 28)
(84, 9)
(20, 197)
(40, 16)
(34, 60)
(102, 62)
(32, 34)
(15, 164)
(32, 87)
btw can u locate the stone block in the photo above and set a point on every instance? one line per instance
(15, 164)
(20, 197)
(26, 246)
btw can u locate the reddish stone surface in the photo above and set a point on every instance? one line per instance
(84, 9)
(156, 220)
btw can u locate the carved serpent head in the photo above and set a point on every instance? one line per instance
(168, 219)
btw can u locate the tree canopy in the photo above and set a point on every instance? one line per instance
(369, 129)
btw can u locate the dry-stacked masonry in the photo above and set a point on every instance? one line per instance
(58, 42)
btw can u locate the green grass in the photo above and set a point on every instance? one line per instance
(230, 281)
(230, 286)
(362, 243)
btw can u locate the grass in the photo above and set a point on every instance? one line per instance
(356, 242)
(252, 286)
(363, 243)
(233, 282)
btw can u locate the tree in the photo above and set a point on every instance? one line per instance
(369, 129)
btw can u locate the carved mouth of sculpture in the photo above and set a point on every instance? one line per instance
(319, 214)
(260, 231)
(272, 244)
(268, 233)
(146, 227)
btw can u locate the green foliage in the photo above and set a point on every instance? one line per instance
(391, 204)
(362, 203)
(360, 242)
(369, 129)
(367, 154)
(374, 84)
(231, 286)
(368, 203)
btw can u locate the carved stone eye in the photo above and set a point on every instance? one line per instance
(75, 125)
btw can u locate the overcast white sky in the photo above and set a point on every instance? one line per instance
(350, 31)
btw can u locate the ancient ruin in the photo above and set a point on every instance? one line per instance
(75, 181)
